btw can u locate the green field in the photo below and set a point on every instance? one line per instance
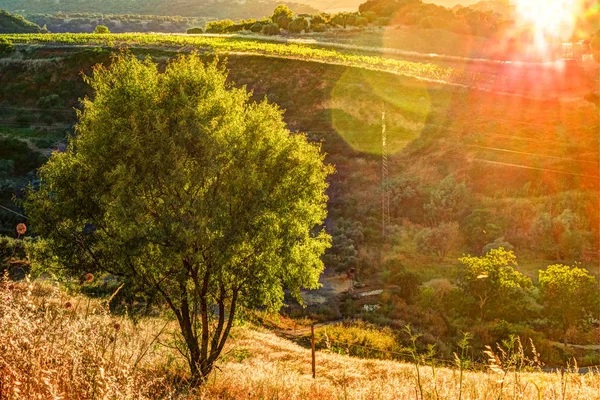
(227, 45)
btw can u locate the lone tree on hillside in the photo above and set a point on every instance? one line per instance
(178, 182)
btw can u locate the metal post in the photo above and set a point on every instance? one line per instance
(312, 344)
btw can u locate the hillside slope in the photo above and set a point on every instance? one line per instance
(11, 23)
(184, 8)
(87, 352)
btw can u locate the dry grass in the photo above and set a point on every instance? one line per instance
(274, 368)
(56, 347)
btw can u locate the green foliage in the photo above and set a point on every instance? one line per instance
(178, 183)
(219, 26)
(496, 244)
(52, 101)
(224, 45)
(498, 289)
(439, 240)
(282, 16)
(101, 29)
(6, 47)
(407, 195)
(298, 25)
(257, 27)
(448, 201)
(568, 294)
(166, 8)
(347, 236)
(271, 29)
(13, 23)
(480, 228)
(194, 31)
(560, 237)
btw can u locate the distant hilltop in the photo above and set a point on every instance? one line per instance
(186, 8)
(10, 23)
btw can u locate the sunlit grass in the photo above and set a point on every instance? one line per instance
(63, 347)
(225, 45)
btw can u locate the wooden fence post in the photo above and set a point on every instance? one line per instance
(312, 345)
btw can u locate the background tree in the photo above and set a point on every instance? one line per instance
(568, 294)
(101, 29)
(282, 16)
(347, 236)
(560, 237)
(298, 25)
(492, 281)
(177, 182)
(439, 240)
(448, 201)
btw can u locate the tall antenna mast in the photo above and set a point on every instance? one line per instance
(385, 195)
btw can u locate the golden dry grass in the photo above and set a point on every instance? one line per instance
(53, 346)
(275, 368)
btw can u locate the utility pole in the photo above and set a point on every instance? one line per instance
(385, 195)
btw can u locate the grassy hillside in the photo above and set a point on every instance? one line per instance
(516, 168)
(11, 23)
(184, 8)
(60, 345)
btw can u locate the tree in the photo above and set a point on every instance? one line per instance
(282, 16)
(568, 294)
(271, 29)
(448, 201)
(560, 237)
(492, 281)
(439, 240)
(298, 25)
(101, 29)
(177, 182)
(347, 236)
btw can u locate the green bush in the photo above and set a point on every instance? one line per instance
(271, 29)
(219, 26)
(257, 27)
(6, 47)
(101, 29)
(298, 25)
(195, 31)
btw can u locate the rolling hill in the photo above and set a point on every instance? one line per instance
(11, 23)
(186, 8)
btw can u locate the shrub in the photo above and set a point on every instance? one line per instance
(219, 26)
(271, 29)
(6, 47)
(298, 25)
(195, 31)
(101, 29)
(257, 27)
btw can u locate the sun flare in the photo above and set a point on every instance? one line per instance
(549, 19)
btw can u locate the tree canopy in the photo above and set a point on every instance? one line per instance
(492, 281)
(569, 294)
(179, 183)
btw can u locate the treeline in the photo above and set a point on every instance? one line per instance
(447, 217)
(415, 12)
(185, 8)
(373, 12)
(120, 23)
